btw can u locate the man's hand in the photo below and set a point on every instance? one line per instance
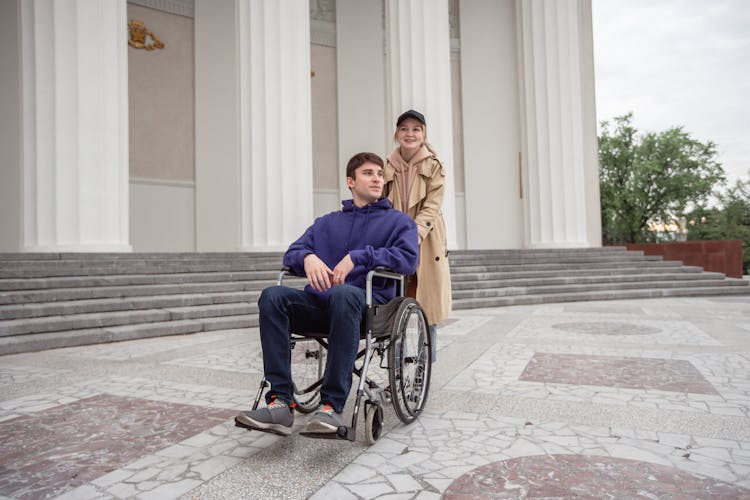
(342, 270)
(317, 272)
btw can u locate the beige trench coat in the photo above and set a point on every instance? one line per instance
(425, 199)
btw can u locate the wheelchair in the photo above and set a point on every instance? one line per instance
(396, 332)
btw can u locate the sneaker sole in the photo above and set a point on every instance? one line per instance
(317, 426)
(249, 423)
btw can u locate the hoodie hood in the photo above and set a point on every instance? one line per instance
(349, 206)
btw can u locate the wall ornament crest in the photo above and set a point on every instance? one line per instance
(141, 37)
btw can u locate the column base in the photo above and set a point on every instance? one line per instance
(83, 247)
(562, 244)
(264, 248)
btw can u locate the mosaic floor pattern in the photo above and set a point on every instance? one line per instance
(675, 375)
(624, 399)
(468, 454)
(69, 445)
(565, 476)
(499, 370)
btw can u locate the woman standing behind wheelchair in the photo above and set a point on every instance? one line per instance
(415, 184)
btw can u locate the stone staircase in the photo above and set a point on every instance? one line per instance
(61, 300)
(493, 278)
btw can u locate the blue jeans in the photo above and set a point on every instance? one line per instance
(284, 310)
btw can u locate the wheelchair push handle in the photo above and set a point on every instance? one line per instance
(379, 272)
(384, 272)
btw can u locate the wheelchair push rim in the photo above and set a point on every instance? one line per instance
(409, 363)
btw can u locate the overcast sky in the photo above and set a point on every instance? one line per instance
(678, 63)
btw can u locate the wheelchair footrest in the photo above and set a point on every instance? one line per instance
(342, 433)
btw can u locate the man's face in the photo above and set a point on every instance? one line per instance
(367, 185)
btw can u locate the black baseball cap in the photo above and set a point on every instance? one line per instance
(411, 114)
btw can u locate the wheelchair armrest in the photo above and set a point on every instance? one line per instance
(380, 272)
(287, 271)
(383, 272)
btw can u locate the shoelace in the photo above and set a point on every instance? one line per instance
(277, 403)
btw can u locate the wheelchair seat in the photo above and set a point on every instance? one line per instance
(382, 319)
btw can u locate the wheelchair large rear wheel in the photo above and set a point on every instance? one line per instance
(409, 363)
(308, 366)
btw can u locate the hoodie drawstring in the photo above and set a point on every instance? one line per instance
(367, 209)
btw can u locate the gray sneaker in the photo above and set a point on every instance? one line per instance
(324, 420)
(277, 418)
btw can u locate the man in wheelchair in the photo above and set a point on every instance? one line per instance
(335, 254)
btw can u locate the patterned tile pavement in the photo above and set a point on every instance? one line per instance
(643, 398)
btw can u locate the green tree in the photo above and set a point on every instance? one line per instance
(650, 178)
(728, 221)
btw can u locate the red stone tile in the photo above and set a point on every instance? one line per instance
(614, 371)
(577, 476)
(45, 454)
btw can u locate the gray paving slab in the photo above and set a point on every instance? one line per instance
(646, 386)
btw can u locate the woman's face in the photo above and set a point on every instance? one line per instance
(410, 134)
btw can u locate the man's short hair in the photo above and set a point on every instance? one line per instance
(360, 159)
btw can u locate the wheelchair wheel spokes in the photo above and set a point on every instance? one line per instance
(409, 361)
(308, 366)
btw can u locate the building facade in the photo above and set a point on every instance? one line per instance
(234, 133)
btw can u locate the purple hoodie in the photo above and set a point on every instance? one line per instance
(373, 235)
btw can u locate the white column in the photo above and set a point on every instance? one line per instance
(552, 115)
(419, 67)
(217, 130)
(10, 127)
(491, 127)
(75, 130)
(361, 94)
(275, 122)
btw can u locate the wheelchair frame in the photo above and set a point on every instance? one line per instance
(409, 363)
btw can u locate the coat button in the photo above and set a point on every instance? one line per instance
(429, 224)
(437, 258)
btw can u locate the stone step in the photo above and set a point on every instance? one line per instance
(120, 318)
(554, 279)
(573, 288)
(545, 251)
(42, 270)
(84, 293)
(500, 267)
(66, 307)
(617, 271)
(70, 338)
(151, 262)
(596, 295)
(15, 291)
(572, 259)
(42, 283)
(123, 256)
(11, 284)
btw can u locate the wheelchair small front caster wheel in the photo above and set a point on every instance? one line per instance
(373, 422)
